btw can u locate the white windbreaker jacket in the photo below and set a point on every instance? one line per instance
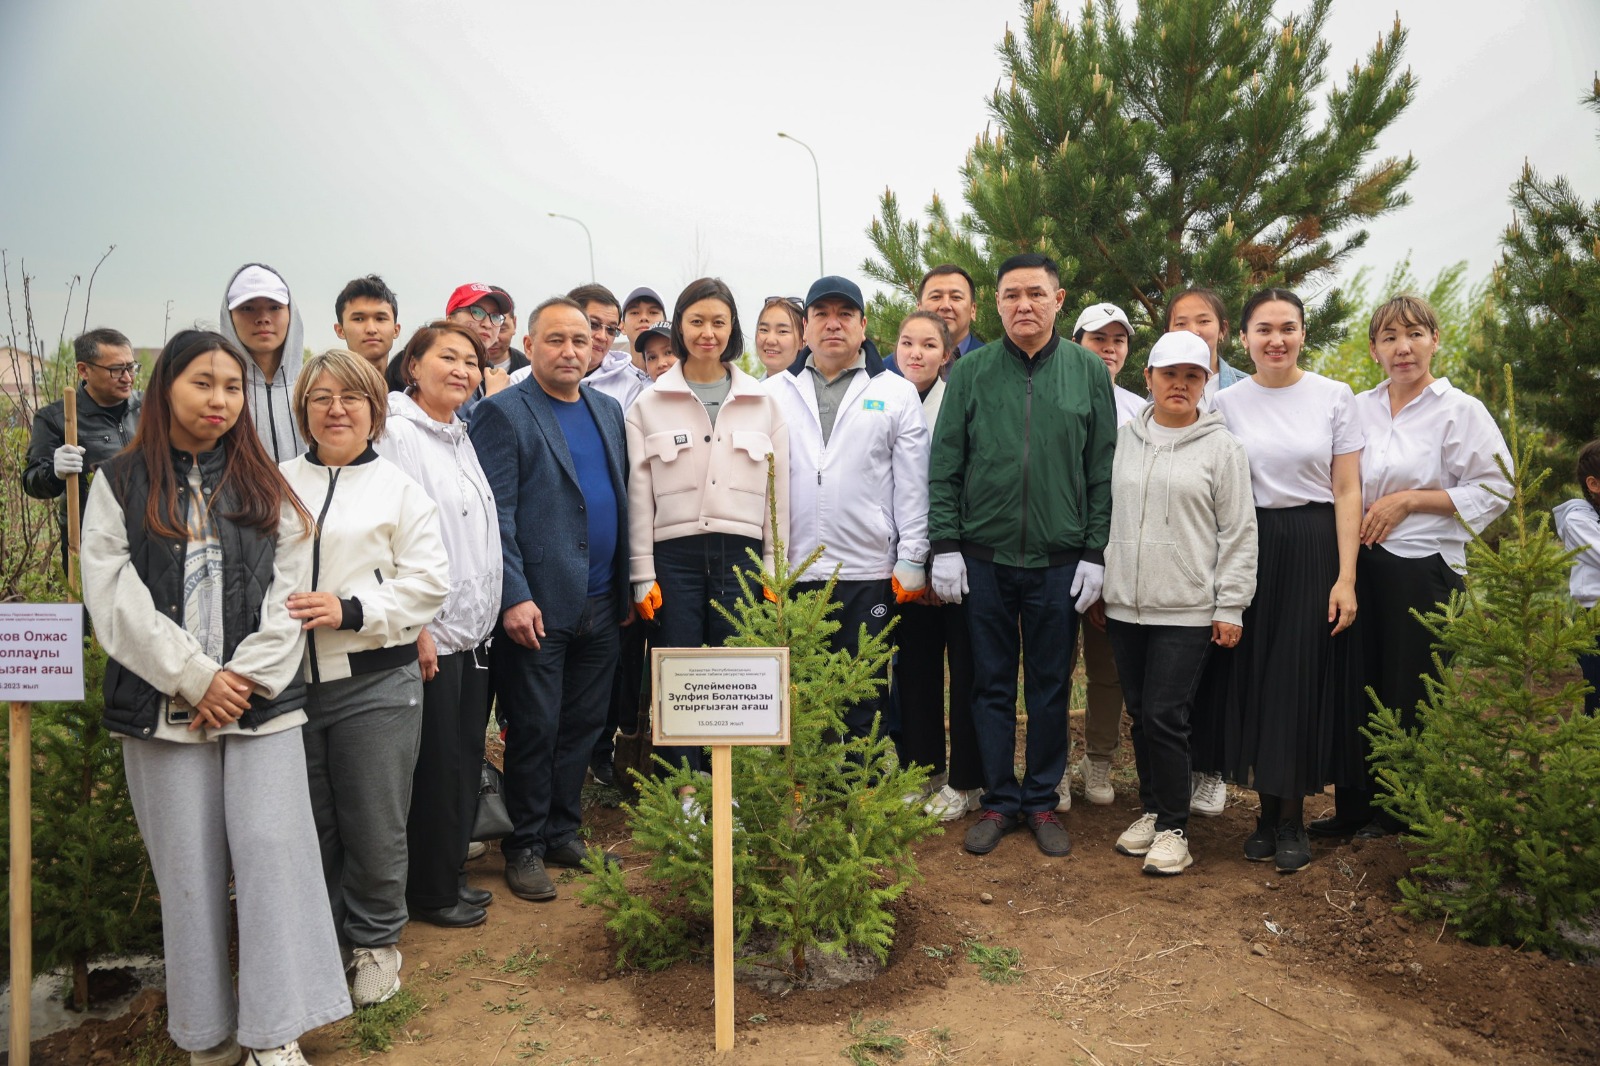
(864, 494)
(440, 457)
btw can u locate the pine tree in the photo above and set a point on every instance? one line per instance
(1175, 149)
(822, 832)
(1544, 321)
(1500, 779)
(93, 892)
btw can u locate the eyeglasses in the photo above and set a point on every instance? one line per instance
(350, 401)
(595, 326)
(479, 314)
(799, 304)
(119, 370)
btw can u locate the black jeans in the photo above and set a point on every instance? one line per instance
(695, 572)
(1160, 667)
(555, 698)
(862, 603)
(1039, 600)
(444, 786)
(926, 636)
(627, 688)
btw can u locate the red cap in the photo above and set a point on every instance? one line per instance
(467, 295)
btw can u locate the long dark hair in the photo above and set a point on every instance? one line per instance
(249, 478)
(707, 289)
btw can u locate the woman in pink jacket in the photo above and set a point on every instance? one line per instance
(698, 445)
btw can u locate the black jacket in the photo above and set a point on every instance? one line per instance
(133, 705)
(102, 433)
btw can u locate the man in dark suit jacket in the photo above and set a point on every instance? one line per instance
(556, 457)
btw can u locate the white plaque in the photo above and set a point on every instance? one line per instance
(708, 696)
(41, 651)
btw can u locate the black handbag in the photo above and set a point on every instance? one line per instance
(492, 820)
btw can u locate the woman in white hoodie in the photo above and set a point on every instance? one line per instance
(425, 437)
(377, 577)
(1180, 571)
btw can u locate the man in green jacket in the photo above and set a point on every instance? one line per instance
(1019, 511)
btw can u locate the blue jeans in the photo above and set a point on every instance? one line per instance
(1000, 598)
(1160, 667)
(555, 699)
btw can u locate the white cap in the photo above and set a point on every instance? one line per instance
(1180, 348)
(254, 281)
(1099, 316)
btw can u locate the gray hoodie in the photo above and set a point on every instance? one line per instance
(271, 402)
(1182, 550)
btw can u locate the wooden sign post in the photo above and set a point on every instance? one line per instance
(721, 697)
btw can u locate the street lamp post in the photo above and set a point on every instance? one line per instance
(589, 236)
(818, 170)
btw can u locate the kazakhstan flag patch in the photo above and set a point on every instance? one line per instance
(872, 405)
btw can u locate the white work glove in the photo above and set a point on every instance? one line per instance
(1087, 583)
(68, 460)
(949, 576)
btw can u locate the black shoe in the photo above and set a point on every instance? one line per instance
(1376, 829)
(1336, 826)
(475, 897)
(573, 852)
(985, 836)
(1050, 834)
(460, 916)
(1294, 848)
(604, 770)
(526, 876)
(1261, 845)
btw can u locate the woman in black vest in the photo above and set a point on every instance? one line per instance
(192, 544)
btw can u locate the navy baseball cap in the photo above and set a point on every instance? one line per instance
(833, 285)
(642, 293)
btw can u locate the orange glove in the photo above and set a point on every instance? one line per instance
(647, 599)
(909, 581)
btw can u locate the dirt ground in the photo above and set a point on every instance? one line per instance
(1228, 963)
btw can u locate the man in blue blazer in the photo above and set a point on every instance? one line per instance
(556, 457)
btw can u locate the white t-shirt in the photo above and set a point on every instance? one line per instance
(1291, 436)
(1167, 435)
(1129, 404)
(1442, 439)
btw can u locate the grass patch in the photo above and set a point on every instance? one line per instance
(997, 965)
(154, 1047)
(871, 1040)
(525, 961)
(373, 1028)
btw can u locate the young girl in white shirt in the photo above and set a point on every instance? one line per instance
(1578, 526)
(1293, 674)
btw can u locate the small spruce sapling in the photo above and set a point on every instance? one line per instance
(822, 834)
(1499, 780)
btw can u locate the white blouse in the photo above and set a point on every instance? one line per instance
(1291, 436)
(1442, 439)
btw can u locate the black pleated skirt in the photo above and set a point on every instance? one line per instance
(1274, 712)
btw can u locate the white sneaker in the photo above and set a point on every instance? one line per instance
(376, 977)
(224, 1054)
(950, 803)
(1208, 795)
(287, 1055)
(1064, 791)
(1168, 854)
(476, 850)
(1135, 840)
(1097, 781)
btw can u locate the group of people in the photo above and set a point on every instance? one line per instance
(314, 576)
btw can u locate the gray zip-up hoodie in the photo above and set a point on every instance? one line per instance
(1182, 550)
(271, 402)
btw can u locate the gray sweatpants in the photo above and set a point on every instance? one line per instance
(361, 749)
(242, 796)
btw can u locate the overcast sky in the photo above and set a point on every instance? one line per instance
(427, 141)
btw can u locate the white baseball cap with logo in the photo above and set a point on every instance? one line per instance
(1099, 316)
